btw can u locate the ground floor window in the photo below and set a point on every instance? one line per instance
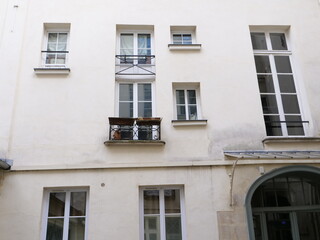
(162, 213)
(287, 207)
(65, 214)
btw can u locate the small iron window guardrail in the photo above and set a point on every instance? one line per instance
(135, 129)
(135, 65)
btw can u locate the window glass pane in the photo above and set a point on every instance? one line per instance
(78, 204)
(144, 92)
(52, 47)
(294, 126)
(283, 64)
(76, 228)
(63, 37)
(269, 104)
(257, 226)
(187, 39)
(278, 41)
(144, 109)
(50, 58)
(52, 37)
(193, 113)
(279, 226)
(308, 223)
(62, 47)
(151, 201)
(258, 41)
(126, 92)
(126, 52)
(192, 97)
(273, 126)
(57, 204)
(286, 84)
(177, 39)
(55, 229)
(126, 41)
(144, 41)
(180, 97)
(125, 109)
(172, 201)
(290, 104)
(262, 64)
(181, 113)
(256, 200)
(265, 84)
(61, 58)
(173, 228)
(296, 192)
(311, 192)
(151, 228)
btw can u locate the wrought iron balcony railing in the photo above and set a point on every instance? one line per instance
(54, 59)
(145, 129)
(135, 65)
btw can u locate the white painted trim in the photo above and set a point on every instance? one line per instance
(179, 123)
(173, 47)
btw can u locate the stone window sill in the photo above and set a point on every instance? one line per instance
(51, 71)
(184, 47)
(178, 123)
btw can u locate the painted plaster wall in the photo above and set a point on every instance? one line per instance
(62, 120)
(114, 208)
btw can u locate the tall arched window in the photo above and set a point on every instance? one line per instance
(285, 205)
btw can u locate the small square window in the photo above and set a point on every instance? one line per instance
(187, 101)
(55, 46)
(183, 38)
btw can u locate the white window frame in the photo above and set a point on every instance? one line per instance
(162, 210)
(185, 87)
(135, 96)
(193, 41)
(45, 43)
(271, 54)
(68, 191)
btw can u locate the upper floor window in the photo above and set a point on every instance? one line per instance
(56, 49)
(135, 100)
(182, 38)
(163, 213)
(279, 98)
(135, 47)
(134, 55)
(65, 214)
(187, 103)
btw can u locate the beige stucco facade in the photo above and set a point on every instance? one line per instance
(54, 126)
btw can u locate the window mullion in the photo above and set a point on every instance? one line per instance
(186, 103)
(135, 100)
(162, 216)
(66, 216)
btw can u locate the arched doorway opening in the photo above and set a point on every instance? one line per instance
(285, 205)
